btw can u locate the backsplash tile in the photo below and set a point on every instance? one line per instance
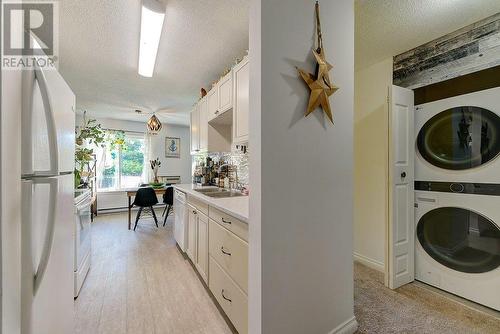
(237, 159)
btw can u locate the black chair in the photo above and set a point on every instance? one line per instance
(145, 199)
(168, 200)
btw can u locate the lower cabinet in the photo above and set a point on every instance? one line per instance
(192, 233)
(231, 298)
(197, 249)
(201, 262)
(218, 248)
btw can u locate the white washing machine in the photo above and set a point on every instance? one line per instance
(457, 245)
(458, 139)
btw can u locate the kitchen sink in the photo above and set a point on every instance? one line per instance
(209, 190)
(224, 193)
(219, 192)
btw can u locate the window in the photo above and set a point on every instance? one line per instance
(122, 167)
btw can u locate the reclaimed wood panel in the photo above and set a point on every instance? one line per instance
(467, 50)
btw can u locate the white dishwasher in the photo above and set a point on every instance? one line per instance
(180, 219)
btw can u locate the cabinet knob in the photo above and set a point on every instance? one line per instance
(216, 112)
(194, 212)
(403, 175)
(226, 221)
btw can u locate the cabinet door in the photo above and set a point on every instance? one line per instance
(195, 130)
(192, 232)
(241, 102)
(203, 110)
(225, 91)
(212, 103)
(202, 257)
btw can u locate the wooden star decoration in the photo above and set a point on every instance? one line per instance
(320, 85)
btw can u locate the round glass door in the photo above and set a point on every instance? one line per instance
(460, 239)
(460, 138)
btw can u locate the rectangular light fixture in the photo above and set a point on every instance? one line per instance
(152, 17)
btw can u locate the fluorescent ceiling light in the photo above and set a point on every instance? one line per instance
(152, 17)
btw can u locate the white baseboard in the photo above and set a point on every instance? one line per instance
(371, 263)
(347, 327)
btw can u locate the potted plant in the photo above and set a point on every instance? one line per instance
(87, 137)
(155, 165)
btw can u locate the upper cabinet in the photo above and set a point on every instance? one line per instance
(220, 119)
(225, 92)
(220, 97)
(213, 103)
(195, 130)
(241, 87)
(203, 111)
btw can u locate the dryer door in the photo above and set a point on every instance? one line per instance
(460, 138)
(460, 239)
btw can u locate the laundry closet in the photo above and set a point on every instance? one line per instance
(436, 169)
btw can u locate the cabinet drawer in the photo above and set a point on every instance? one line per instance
(200, 205)
(230, 252)
(232, 300)
(234, 225)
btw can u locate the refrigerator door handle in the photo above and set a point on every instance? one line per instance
(51, 121)
(49, 234)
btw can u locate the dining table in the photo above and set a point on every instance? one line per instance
(132, 192)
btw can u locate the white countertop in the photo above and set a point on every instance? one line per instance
(234, 206)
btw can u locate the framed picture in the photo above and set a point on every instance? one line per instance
(172, 147)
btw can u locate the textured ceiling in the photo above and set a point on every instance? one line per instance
(385, 28)
(99, 43)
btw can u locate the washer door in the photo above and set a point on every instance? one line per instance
(460, 239)
(460, 138)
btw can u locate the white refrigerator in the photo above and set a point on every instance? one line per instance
(47, 206)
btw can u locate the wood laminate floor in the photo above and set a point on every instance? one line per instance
(139, 283)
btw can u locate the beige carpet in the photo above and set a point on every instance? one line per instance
(411, 309)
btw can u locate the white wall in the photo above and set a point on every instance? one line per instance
(301, 173)
(371, 161)
(170, 166)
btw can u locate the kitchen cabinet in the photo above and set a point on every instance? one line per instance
(218, 250)
(212, 103)
(241, 87)
(230, 297)
(230, 252)
(203, 125)
(195, 130)
(225, 93)
(192, 233)
(201, 262)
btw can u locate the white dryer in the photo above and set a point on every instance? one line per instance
(458, 139)
(457, 245)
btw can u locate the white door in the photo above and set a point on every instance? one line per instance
(192, 232)
(202, 257)
(241, 101)
(225, 91)
(401, 188)
(203, 110)
(213, 104)
(48, 124)
(47, 255)
(195, 130)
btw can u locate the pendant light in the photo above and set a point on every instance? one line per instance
(154, 125)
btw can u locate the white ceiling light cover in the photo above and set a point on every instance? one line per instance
(152, 17)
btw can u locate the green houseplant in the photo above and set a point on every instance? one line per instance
(87, 138)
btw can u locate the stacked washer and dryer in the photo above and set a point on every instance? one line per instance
(457, 196)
